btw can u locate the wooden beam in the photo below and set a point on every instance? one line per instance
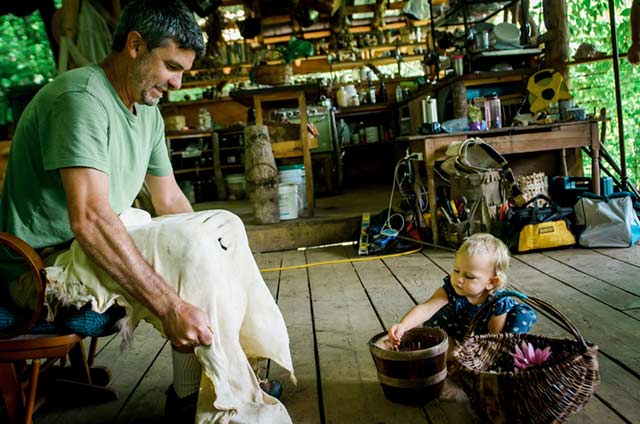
(364, 8)
(276, 20)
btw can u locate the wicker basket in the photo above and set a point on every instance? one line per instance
(532, 185)
(545, 394)
(280, 74)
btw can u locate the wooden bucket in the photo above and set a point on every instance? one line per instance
(415, 373)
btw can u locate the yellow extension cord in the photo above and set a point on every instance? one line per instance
(340, 261)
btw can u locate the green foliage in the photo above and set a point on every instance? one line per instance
(295, 49)
(593, 85)
(25, 56)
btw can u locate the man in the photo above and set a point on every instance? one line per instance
(80, 154)
(634, 51)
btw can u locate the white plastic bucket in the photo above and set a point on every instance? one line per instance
(235, 185)
(288, 201)
(294, 174)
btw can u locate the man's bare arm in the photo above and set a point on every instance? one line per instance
(103, 237)
(166, 196)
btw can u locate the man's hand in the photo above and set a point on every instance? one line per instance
(634, 54)
(187, 326)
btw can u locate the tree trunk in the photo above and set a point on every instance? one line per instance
(261, 174)
(557, 47)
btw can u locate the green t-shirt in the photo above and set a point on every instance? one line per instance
(77, 120)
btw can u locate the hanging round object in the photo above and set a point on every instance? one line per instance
(546, 86)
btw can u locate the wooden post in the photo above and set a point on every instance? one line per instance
(306, 153)
(557, 41)
(459, 92)
(217, 168)
(261, 174)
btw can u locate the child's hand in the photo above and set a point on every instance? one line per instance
(395, 334)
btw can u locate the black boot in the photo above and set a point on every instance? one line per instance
(180, 410)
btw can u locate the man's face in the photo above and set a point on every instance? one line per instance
(159, 70)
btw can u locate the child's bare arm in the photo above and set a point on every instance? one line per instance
(496, 323)
(418, 314)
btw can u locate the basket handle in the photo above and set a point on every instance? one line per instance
(531, 301)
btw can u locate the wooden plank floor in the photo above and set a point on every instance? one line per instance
(333, 310)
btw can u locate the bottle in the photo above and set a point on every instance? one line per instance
(204, 119)
(342, 97)
(492, 111)
(372, 92)
(398, 93)
(383, 98)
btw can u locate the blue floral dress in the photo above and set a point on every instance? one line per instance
(455, 317)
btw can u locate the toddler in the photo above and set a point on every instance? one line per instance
(479, 271)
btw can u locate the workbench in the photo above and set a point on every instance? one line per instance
(534, 138)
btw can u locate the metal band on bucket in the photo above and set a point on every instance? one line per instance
(413, 383)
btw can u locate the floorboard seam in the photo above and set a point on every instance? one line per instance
(576, 288)
(614, 410)
(315, 347)
(146, 371)
(411, 296)
(614, 258)
(277, 298)
(366, 292)
(582, 272)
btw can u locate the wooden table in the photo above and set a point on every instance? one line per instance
(510, 140)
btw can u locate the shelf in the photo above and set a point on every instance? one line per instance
(179, 152)
(312, 64)
(234, 129)
(363, 110)
(455, 17)
(505, 53)
(176, 135)
(245, 97)
(210, 82)
(197, 169)
(359, 146)
(378, 61)
(484, 78)
(291, 148)
(222, 149)
(169, 105)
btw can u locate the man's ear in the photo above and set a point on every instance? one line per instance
(135, 42)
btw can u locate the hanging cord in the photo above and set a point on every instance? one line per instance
(341, 261)
(396, 181)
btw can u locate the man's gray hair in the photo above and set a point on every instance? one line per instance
(159, 21)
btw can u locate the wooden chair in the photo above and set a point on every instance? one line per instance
(19, 378)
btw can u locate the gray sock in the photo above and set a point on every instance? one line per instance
(187, 371)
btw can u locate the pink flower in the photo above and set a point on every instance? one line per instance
(528, 357)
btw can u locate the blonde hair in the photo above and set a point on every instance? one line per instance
(481, 243)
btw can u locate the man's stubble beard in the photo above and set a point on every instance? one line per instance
(140, 81)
